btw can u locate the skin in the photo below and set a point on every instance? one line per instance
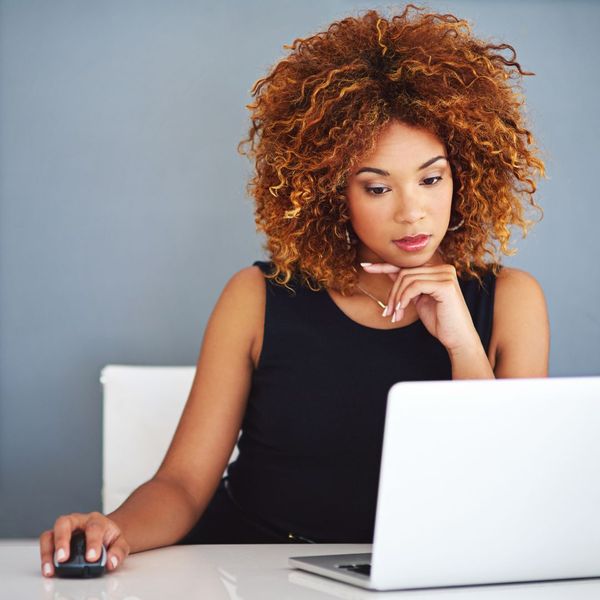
(415, 285)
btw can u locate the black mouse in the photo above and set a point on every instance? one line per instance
(77, 565)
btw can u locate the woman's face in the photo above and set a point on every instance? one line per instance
(400, 197)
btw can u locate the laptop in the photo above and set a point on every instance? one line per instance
(482, 481)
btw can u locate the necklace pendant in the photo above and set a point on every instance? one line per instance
(367, 293)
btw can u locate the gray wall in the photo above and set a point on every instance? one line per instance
(123, 211)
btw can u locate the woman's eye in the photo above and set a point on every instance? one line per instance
(431, 180)
(376, 190)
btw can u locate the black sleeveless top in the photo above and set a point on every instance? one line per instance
(312, 434)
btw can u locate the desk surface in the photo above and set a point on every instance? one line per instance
(253, 572)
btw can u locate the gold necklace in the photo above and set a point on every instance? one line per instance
(381, 304)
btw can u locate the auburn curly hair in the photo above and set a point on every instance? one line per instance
(321, 108)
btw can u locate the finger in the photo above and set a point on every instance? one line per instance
(442, 268)
(94, 536)
(434, 289)
(47, 552)
(396, 304)
(117, 553)
(398, 310)
(412, 291)
(409, 278)
(398, 313)
(63, 529)
(391, 299)
(424, 269)
(380, 268)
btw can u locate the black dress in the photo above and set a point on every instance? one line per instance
(311, 441)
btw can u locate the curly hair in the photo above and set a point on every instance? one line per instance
(322, 107)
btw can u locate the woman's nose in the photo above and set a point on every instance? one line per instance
(408, 210)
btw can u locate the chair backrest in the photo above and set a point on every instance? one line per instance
(141, 409)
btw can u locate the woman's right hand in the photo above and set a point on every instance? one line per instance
(99, 530)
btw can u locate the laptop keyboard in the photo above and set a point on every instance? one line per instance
(364, 569)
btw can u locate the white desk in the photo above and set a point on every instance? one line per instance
(257, 572)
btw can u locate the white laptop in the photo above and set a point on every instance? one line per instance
(481, 482)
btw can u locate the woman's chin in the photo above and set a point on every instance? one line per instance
(418, 259)
(400, 259)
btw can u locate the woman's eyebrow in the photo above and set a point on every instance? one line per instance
(431, 161)
(386, 174)
(372, 170)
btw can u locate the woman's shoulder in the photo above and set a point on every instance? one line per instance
(243, 295)
(239, 312)
(519, 306)
(250, 284)
(507, 281)
(519, 300)
(515, 285)
(249, 281)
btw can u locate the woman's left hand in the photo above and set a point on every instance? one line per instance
(436, 294)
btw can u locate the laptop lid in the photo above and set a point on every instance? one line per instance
(489, 481)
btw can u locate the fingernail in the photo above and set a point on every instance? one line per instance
(398, 313)
(91, 555)
(394, 318)
(365, 264)
(114, 561)
(47, 569)
(385, 312)
(60, 554)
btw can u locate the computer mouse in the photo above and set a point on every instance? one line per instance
(77, 565)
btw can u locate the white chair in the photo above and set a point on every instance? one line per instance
(141, 410)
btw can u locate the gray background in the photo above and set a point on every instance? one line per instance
(123, 208)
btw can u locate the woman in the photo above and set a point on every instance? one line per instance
(392, 163)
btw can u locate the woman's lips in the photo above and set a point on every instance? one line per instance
(413, 243)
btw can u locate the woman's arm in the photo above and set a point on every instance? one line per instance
(161, 511)
(520, 341)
